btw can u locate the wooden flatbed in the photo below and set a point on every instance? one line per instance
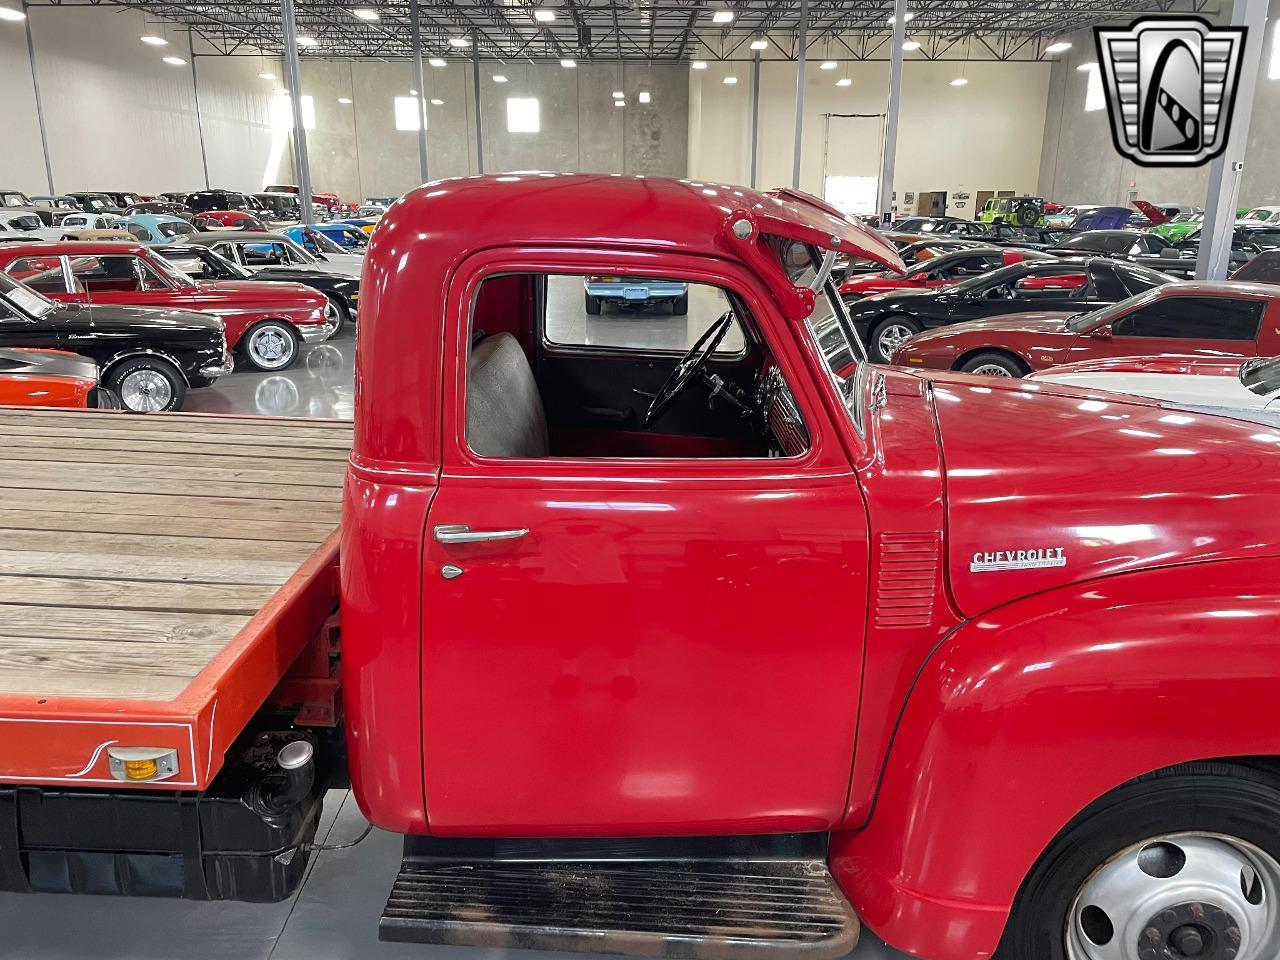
(158, 575)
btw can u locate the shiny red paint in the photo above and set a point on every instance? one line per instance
(240, 303)
(1170, 363)
(930, 274)
(1042, 340)
(228, 220)
(1065, 281)
(726, 645)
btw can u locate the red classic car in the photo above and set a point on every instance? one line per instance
(939, 270)
(228, 220)
(265, 322)
(1224, 319)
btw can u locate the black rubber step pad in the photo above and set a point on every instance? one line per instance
(695, 910)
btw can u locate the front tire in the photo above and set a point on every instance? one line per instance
(995, 364)
(148, 385)
(1183, 863)
(336, 310)
(889, 334)
(680, 306)
(270, 345)
(593, 305)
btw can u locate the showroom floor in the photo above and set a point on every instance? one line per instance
(333, 917)
(335, 914)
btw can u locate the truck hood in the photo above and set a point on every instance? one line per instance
(1047, 486)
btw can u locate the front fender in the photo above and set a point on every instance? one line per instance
(1024, 717)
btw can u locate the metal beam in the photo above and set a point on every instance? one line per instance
(1226, 170)
(293, 75)
(755, 116)
(195, 92)
(35, 86)
(419, 84)
(475, 85)
(890, 157)
(800, 65)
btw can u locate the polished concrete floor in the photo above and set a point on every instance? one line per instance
(335, 914)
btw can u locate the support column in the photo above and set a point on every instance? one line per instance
(419, 84)
(293, 75)
(890, 157)
(35, 86)
(755, 116)
(195, 92)
(475, 84)
(802, 44)
(1226, 170)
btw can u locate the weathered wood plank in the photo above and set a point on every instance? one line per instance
(91, 481)
(106, 449)
(180, 526)
(160, 505)
(180, 551)
(206, 424)
(73, 431)
(161, 628)
(261, 471)
(54, 666)
(124, 567)
(115, 594)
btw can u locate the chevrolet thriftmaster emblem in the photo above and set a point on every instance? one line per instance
(1035, 559)
(1171, 87)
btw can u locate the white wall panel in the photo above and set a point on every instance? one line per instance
(21, 161)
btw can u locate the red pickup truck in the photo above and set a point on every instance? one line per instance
(711, 644)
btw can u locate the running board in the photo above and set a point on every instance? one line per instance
(700, 899)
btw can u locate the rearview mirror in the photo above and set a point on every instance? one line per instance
(1101, 333)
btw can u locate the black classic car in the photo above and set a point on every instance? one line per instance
(1117, 244)
(1247, 242)
(148, 358)
(197, 260)
(1076, 286)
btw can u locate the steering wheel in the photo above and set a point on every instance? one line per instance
(688, 369)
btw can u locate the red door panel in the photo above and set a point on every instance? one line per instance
(666, 650)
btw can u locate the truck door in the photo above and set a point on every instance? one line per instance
(653, 644)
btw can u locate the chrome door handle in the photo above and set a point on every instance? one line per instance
(461, 533)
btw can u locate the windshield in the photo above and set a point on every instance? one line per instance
(29, 222)
(994, 278)
(324, 244)
(1261, 375)
(1095, 318)
(169, 269)
(24, 299)
(176, 228)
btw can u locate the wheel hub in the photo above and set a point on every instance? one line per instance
(1190, 931)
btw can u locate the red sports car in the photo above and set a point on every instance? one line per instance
(939, 270)
(228, 220)
(1223, 319)
(265, 322)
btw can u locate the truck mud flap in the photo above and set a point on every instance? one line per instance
(693, 899)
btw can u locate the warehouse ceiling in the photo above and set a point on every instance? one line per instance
(646, 30)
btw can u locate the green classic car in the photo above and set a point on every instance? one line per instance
(1179, 227)
(1022, 211)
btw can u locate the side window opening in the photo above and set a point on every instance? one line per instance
(620, 366)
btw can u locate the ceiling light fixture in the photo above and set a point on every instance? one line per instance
(567, 64)
(344, 99)
(499, 78)
(266, 75)
(437, 102)
(759, 43)
(368, 16)
(844, 82)
(308, 42)
(619, 95)
(619, 103)
(1058, 46)
(8, 13)
(959, 81)
(150, 39)
(730, 80)
(644, 96)
(544, 16)
(828, 65)
(722, 16)
(910, 44)
(1086, 67)
(699, 64)
(175, 61)
(459, 42)
(437, 62)
(413, 93)
(906, 18)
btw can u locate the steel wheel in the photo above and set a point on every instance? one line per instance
(1180, 896)
(145, 391)
(991, 370)
(271, 346)
(891, 336)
